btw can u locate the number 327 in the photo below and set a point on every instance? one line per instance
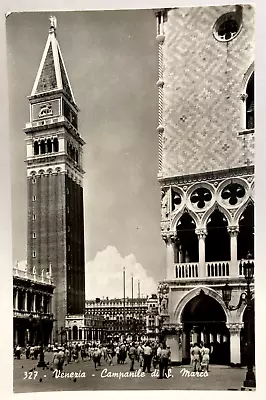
(30, 375)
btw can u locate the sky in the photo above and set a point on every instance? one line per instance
(111, 60)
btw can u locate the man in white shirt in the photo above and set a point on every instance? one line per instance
(147, 357)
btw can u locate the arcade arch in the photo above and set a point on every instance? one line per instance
(204, 320)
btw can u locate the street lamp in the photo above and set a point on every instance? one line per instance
(248, 268)
(41, 362)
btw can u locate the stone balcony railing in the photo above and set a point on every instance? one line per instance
(212, 269)
(34, 314)
(33, 277)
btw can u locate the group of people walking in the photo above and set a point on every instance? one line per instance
(200, 357)
(141, 355)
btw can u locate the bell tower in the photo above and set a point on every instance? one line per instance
(55, 239)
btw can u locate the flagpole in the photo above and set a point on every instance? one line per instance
(124, 308)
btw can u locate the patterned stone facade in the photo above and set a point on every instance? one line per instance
(206, 174)
(203, 80)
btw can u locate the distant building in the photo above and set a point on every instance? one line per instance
(32, 308)
(108, 318)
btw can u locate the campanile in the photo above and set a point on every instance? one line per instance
(55, 239)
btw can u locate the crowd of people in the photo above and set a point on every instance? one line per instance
(145, 355)
(141, 355)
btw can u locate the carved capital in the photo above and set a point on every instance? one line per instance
(160, 83)
(235, 328)
(243, 96)
(233, 230)
(160, 39)
(202, 233)
(169, 237)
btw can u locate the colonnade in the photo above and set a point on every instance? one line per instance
(174, 256)
(25, 300)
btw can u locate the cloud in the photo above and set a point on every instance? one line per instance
(104, 275)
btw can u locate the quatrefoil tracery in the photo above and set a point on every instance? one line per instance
(201, 197)
(233, 193)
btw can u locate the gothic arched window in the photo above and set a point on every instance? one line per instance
(250, 103)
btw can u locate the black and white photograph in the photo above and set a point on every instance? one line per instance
(132, 195)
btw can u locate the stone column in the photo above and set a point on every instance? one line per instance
(16, 335)
(25, 300)
(235, 329)
(16, 299)
(202, 233)
(185, 338)
(169, 239)
(233, 232)
(34, 302)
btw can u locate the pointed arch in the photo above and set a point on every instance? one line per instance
(241, 210)
(211, 210)
(179, 214)
(195, 292)
(247, 76)
(247, 99)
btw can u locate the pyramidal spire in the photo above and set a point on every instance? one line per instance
(52, 74)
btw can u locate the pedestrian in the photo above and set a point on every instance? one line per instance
(147, 354)
(117, 352)
(132, 353)
(140, 355)
(56, 361)
(18, 352)
(205, 358)
(195, 357)
(82, 353)
(36, 352)
(109, 354)
(61, 356)
(28, 352)
(96, 357)
(67, 355)
(164, 358)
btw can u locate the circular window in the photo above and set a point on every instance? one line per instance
(227, 27)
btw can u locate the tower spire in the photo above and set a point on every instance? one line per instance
(52, 75)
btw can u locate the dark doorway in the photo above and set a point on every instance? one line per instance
(204, 321)
(217, 242)
(245, 237)
(187, 249)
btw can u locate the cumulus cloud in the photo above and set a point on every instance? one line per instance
(104, 275)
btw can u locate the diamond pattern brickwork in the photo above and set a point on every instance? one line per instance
(202, 85)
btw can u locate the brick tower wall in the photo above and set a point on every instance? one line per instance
(50, 228)
(75, 248)
(203, 80)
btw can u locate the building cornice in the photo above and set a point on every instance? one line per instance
(207, 176)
